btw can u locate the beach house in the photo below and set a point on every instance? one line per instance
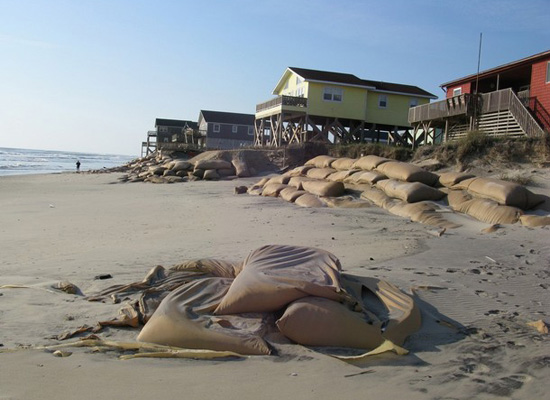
(335, 107)
(226, 130)
(512, 99)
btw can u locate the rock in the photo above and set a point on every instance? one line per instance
(240, 189)
(540, 326)
(67, 287)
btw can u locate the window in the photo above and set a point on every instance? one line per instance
(163, 129)
(548, 72)
(234, 129)
(216, 128)
(333, 94)
(413, 102)
(251, 130)
(382, 101)
(457, 91)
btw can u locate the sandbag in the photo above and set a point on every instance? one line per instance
(378, 197)
(211, 174)
(290, 194)
(183, 319)
(199, 173)
(370, 177)
(534, 221)
(241, 167)
(316, 321)
(278, 179)
(212, 266)
(484, 210)
(345, 202)
(273, 189)
(225, 172)
(449, 179)
(321, 161)
(300, 171)
(213, 164)
(320, 173)
(324, 188)
(343, 164)
(309, 200)
(503, 192)
(262, 182)
(422, 212)
(411, 192)
(180, 166)
(369, 162)
(407, 172)
(255, 190)
(297, 181)
(275, 275)
(340, 176)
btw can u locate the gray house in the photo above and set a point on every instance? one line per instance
(171, 130)
(226, 130)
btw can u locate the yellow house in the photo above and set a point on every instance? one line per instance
(335, 107)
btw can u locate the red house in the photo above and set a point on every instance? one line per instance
(511, 99)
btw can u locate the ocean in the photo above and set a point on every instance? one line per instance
(25, 161)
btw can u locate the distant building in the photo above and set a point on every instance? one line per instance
(510, 100)
(171, 134)
(226, 130)
(335, 107)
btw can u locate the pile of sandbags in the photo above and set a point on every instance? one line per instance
(297, 291)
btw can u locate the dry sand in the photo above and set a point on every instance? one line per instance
(477, 292)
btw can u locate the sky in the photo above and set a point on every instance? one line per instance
(92, 76)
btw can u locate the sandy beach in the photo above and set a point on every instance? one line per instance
(477, 292)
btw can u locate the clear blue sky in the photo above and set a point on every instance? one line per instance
(92, 76)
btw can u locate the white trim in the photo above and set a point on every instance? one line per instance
(548, 72)
(457, 89)
(332, 92)
(234, 128)
(424, 96)
(214, 126)
(341, 84)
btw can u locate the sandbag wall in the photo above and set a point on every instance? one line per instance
(403, 189)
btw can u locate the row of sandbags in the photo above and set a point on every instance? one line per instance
(394, 185)
(164, 169)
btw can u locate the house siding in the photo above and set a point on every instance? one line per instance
(352, 106)
(466, 88)
(396, 112)
(539, 87)
(226, 139)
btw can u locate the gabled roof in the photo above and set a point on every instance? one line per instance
(501, 68)
(222, 117)
(339, 78)
(177, 123)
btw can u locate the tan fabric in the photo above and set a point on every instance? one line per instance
(300, 171)
(213, 164)
(411, 192)
(483, 210)
(241, 167)
(296, 181)
(535, 220)
(407, 172)
(184, 319)
(320, 173)
(273, 189)
(463, 184)
(316, 321)
(321, 161)
(273, 276)
(379, 198)
(278, 179)
(423, 212)
(448, 179)
(223, 172)
(340, 176)
(370, 177)
(309, 200)
(180, 166)
(290, 194)
(262, 182)
(343, 164)
(503, 192)
(211, 266)
(211, 174)
(370, 162)
(324, 188)
(345, 202)
(255, 190)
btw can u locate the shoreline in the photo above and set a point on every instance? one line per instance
(71, 226)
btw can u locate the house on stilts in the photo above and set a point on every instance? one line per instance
(334, 107)
(510, 100)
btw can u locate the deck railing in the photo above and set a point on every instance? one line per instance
(282, 101)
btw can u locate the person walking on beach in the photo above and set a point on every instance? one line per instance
(77, 165)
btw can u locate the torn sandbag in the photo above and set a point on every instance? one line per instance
(275, 275)
(184, 319)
